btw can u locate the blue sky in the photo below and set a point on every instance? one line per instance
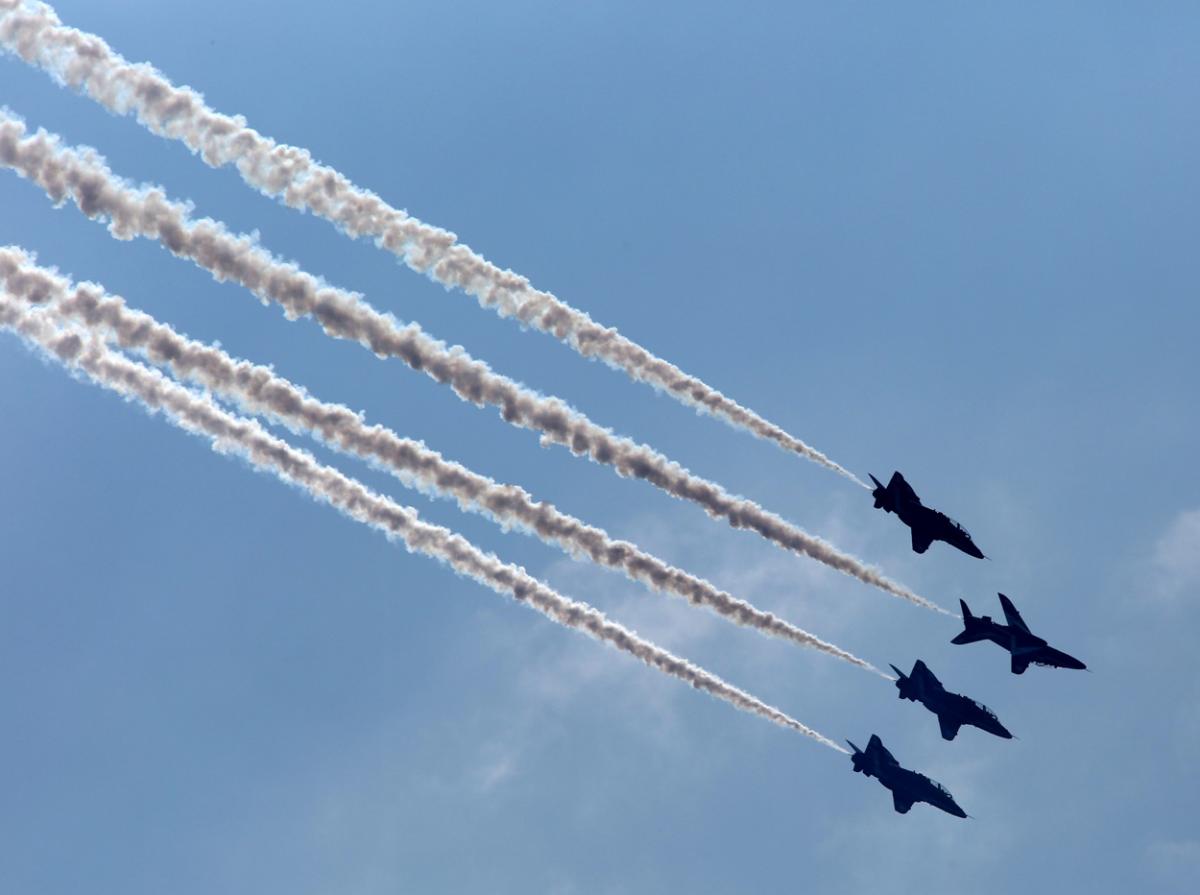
(958, 242)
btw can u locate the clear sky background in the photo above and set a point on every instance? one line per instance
(959, 240)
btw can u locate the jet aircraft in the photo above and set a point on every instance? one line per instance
(907, 786)
(927, 524)
(1026, 647)
(952, 709)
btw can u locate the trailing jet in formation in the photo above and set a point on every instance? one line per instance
(952, 709)
(907, 786)
(928, 525)
(1026, 647)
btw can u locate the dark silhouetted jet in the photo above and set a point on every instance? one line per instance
(907, 786)
(927, 525)
(952, 709)
(1026, 647)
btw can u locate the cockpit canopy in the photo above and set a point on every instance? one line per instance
(959, 526)
(983, 708)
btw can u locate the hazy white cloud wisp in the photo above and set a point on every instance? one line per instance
(1176, 557)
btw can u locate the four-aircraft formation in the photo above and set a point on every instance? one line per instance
(953, 710)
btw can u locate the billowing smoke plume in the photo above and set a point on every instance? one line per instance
(259, 390)
(198, 413)
(82, 176)
(86, 63)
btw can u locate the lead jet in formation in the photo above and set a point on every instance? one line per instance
(908, 787)
(1025, 646)
(927, 524)
(953, 710)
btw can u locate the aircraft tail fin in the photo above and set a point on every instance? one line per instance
(883, 496)
(970, 632)
(903, 683)
(858, 760)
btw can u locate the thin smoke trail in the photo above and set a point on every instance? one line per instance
(199, 414)
(86, 63)
(82, 176)
(258, 389)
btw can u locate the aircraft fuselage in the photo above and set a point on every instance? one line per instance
(927, 524)
(1025, 647)
(953, 710)
(907, 787)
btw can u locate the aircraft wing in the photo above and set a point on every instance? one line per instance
(1012, 616)
(902, 489)
(921, 540)
(949, 727)
(901, 803)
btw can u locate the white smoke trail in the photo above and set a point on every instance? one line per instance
(199, 414)
(86, 63)
(259, 390)
(82, 176)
